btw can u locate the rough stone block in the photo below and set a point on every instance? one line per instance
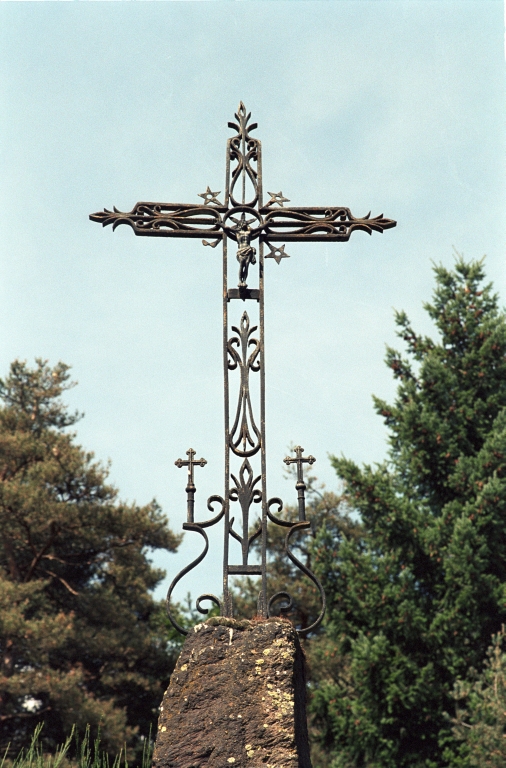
(236, 698)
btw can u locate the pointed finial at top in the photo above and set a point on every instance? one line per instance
(242, 127)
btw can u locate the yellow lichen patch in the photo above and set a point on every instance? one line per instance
(184, 667)
(251, 753)
(247, 747)
(231, 760)
(260, 661)
(164, 729)
(267, 651)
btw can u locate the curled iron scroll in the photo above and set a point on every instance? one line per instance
(294, 527)
(244, 150)
(208, 596)
(285, 607)
(198, 528)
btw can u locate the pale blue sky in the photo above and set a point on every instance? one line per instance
(394, 107)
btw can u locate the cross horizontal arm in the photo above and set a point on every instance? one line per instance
(166, 219)
(318, 224)
(315, 224)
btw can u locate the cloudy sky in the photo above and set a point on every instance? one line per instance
(391, 106)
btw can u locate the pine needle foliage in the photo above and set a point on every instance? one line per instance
(480, 721)
(81, 639)
(414, 600)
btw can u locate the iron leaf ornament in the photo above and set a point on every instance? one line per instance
(253, 228)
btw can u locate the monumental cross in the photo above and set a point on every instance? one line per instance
(255, 227)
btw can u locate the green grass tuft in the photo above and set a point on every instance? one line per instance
(73, 753)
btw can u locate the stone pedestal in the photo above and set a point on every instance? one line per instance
(236, 698)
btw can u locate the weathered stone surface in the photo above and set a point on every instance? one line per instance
(236, 698)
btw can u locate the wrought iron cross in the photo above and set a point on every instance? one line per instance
(250, 224)
(190, 485)
(300, 485)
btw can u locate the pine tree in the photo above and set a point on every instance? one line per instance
(481, 722)
(81, 639)
(414, 601)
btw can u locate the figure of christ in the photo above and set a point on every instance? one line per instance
(245, 252)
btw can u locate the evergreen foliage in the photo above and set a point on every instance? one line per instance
(81, 639)
(414, 600)
(481, 724)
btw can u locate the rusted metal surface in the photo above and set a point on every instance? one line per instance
(243, 218)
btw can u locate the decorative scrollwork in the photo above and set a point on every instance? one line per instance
(246, 494)
(198, 528)
(166, 219)
(244, 150)
(273, 518)
(285, 607)
(208, 596)
(244, 430)
(318, 224)
(294, 527)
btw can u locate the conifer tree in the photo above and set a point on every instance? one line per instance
(414, 600)
(81, 639)
(481, 723)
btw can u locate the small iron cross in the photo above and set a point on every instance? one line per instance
(190, 487)
(301, 485)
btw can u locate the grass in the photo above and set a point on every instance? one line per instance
(85, 754)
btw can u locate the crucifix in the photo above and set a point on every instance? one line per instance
(243, 218)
